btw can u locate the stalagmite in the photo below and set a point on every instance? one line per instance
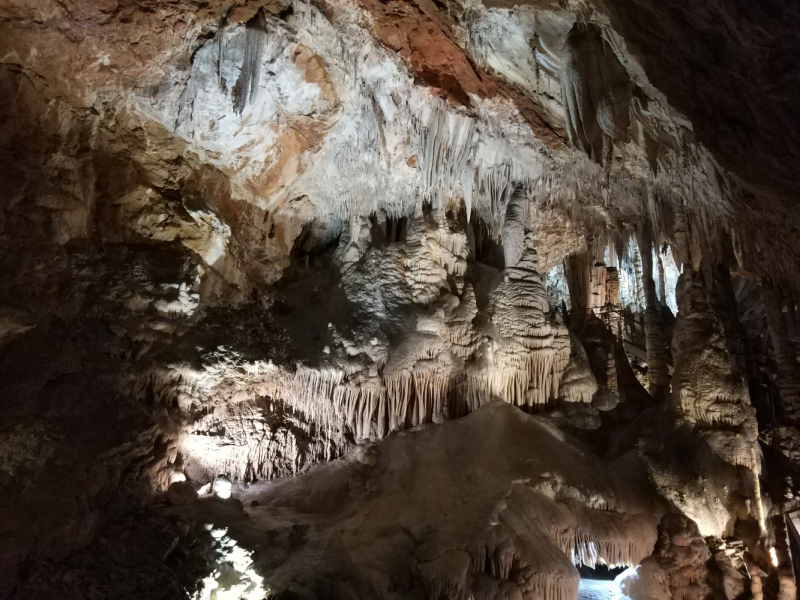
(463, 337)
(578, 383)
(435, 255)
(704, 389)
(521, 364)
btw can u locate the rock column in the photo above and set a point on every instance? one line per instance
(657, 370)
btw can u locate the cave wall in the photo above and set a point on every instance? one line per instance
(242, 238)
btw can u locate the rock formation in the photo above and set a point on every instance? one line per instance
(399, 299)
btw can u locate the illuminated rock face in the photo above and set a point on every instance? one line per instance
(241, 238)
(448, 510)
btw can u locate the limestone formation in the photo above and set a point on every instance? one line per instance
(398, 299)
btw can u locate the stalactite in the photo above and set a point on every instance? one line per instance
(246, 89)
(312, 391)
(238, 440)
(493, 184)
(447, 146)
(221, 35)
(528, 381)
(604, 535)
(514, 227)
(398, 392)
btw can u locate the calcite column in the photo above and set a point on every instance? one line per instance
(612, 286)
(709, 396)
(662, 284)
(598, 286)
(579, 281)
(707, 389)
(636, 261)
(587, 280)
(525, 366)
(657, 370)
(719, 286)
(612, 300)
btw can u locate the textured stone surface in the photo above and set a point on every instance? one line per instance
(239, 238)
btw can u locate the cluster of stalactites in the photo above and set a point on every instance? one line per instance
(542, 569)
(447, 147)
(418, 385)
(333, 398)
(449, 363)
(617, 542)
(373, 409)
(241, 439)
(539, 538)
(424, 395)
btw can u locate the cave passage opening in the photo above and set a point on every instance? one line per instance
(600, 582)
(600, 572)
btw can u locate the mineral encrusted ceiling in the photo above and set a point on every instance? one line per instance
(495, 291)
